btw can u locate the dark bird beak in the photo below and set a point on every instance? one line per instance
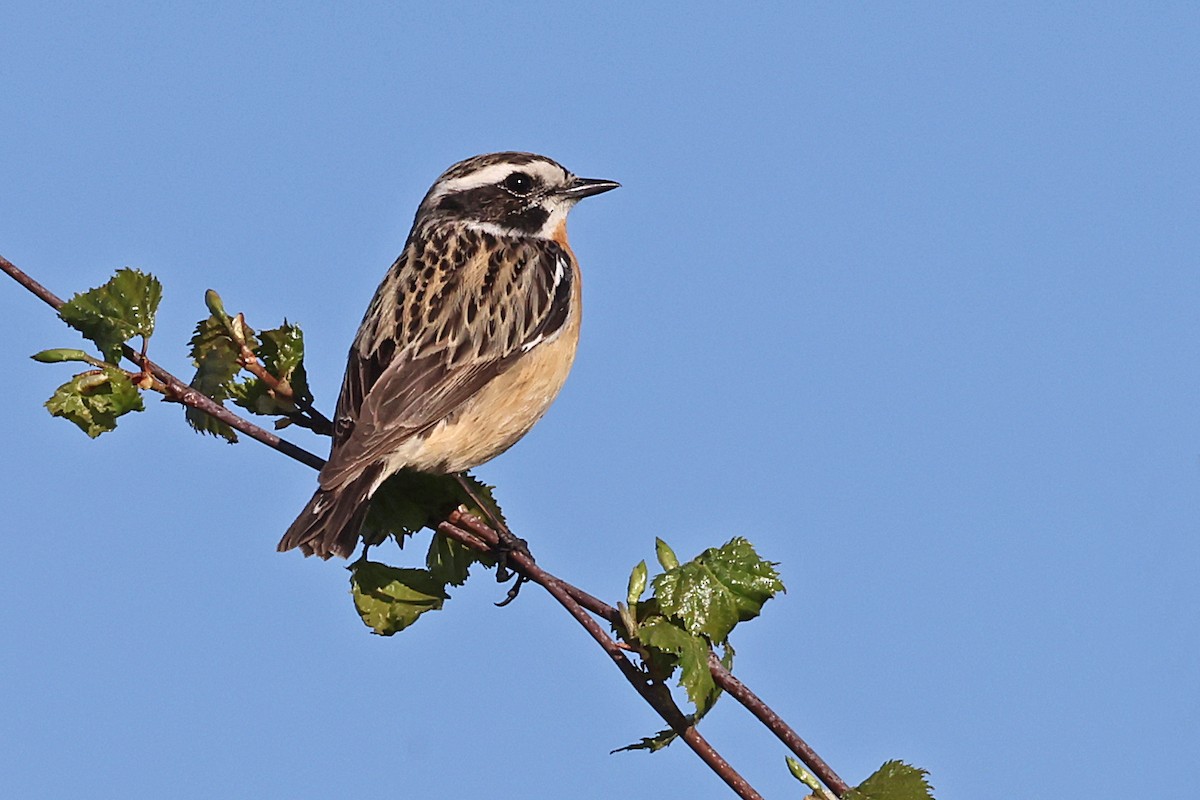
(580, 188)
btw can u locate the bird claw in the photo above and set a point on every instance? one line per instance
(513, 590)
(507, 544)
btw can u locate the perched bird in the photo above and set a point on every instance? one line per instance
(467, 341)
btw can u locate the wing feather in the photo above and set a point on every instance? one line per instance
(467, 307)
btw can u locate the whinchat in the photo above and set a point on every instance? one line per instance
(467, 342)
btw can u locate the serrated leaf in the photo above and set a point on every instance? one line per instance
(449, 561)
(409, 501)
(255, 396)
(94, 400)
(719, 588)
(282, 352)
(665, 737)
(895, 780)
(691, 654)
(212, 339)
(216, 359)
(389, 599)
(114, 313)
(483, 504)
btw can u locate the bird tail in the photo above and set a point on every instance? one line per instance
(330, 524)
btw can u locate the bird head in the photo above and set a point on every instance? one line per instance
(509, 194)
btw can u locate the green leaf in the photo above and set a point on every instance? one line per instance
(282, 352)
(691, 655)
(665, 737)
(449, 561)
(94, 400)
(216, 359)
(666, 556)
(61, 354)
(652, 743)
(895, 780)
(483, 504)
(637, 584)
(255, 396)
(211, 341)
(717, 589)
(409, 501)
(689, 671)
(389, 599)
(727, 657)
(114, 313)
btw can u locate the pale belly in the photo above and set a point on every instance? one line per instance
(495, 417)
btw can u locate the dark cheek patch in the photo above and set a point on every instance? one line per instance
(528, 220)
(493, 204)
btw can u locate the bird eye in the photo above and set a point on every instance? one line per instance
(519, 183)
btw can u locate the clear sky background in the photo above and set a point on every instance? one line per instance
(908, 296)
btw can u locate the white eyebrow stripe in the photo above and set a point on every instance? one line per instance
(494, 173)
(483, 177)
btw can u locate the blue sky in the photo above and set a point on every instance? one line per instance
(906, 295)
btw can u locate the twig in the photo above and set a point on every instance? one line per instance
(653, 692)
(175, 389)
(774, 723)
(723, 677)
(311, 418)
(47, 296)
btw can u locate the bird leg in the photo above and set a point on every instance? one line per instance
(507, 542)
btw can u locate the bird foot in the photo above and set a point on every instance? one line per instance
(508, 544)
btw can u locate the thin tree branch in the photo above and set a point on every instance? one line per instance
(653, 692)
(723, 677)
(774, 723)
(473, 532)
(308, 416)
(175, 389)
(180, 392)
(47, 296)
